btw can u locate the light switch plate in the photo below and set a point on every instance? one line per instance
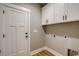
(35, 30)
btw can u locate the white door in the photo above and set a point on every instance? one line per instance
(21, 33)
(59, 12)
(10, 31)
(73, 11)
(15, 40)
(1, 31)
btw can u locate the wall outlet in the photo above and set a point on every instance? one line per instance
(35, 30)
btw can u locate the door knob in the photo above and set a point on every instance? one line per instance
(26, 36)
(26, 33)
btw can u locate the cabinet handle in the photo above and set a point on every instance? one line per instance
(46, 21)
(54, 36)
(65, 17)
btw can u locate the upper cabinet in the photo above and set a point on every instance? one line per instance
(73, 11)
(48, 14)
(44, 15)
(60, 13)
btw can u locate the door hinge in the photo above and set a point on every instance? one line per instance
(3, 11)
(3, 35)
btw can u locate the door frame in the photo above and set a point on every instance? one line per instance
(25, 10)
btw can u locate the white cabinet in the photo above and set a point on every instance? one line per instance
(59, 12)
(72, 11)
(44, 15)
(48, 14)
(52, 13)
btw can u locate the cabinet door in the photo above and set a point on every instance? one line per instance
(73, 11)
(44, 15)
(50, 13)
(59, 12)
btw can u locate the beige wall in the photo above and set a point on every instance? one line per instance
(69, 29)
(59, 43)
(37, 39)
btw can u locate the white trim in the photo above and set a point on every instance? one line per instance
(14, 54)
(29, 33)
(16, 7)
(53, 51)
(21, 53)
(37, 50)
(46, 48)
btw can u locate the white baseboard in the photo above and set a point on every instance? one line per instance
(46, 48)
(21, 53)
(37, 50)
(53, 51)
(14, 54)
